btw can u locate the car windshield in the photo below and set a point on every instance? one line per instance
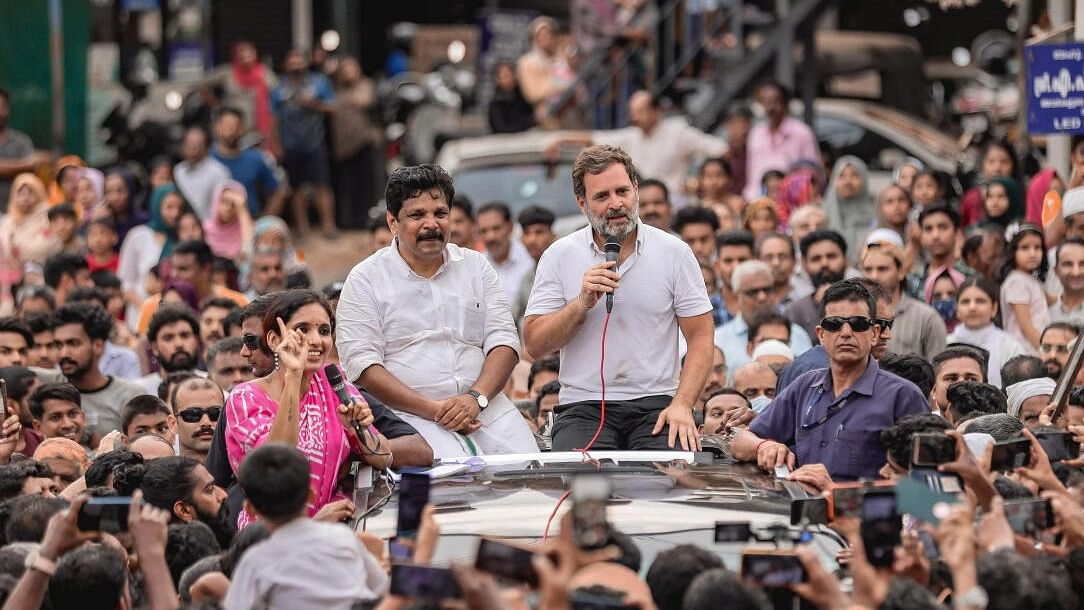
(520, 185)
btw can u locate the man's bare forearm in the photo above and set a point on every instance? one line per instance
(389, 390)
(411, 450)
(546, 334)
(496, 370)
(700, 338)
(744, 446)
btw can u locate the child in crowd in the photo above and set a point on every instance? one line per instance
(927, 188)
(1023, 302)
(64, 224)
(976, 312)
(102, 245)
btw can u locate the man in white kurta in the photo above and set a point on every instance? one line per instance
(426, 328)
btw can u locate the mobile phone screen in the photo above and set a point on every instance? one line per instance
(1008, 455)
(589, 496)
(423, 581)
(104, 515)
(773, 570)
(881, 524)
(733, 532)
(506, 561)
(413, 496)
(1027, 517)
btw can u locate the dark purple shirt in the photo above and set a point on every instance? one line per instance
(844, 433)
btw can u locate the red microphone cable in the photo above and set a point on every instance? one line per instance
(598, 432)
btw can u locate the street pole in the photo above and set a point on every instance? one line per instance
(56, 69)
(1057, 146)
(301, 10)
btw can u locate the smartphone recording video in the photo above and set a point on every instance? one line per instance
(424, 582)
(1011, 454)
(738, 531)
(931, 449)
(1058, 445)
(108, 515)
(881, 524)
(506, 561)
(589, 524)
(1028, 517)
(808, 511)
(773, 568)
(413, 496)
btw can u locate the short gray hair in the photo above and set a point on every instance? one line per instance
(594, 160)
(746, 269)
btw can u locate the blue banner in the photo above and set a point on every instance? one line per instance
(1055, 88)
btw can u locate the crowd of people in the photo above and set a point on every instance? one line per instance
(160, 343)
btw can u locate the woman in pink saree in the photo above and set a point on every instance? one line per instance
(296, 405)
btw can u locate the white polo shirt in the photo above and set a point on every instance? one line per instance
(660, 282)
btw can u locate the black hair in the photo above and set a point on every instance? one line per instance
(258, 307)
(229, 345)
(169, 384)
(104, 278)
(463, 204)
(735, 238)
(729, 392)
(692, 215)
(378, 222)
(187, 543)
(967, 397)
(52, 391)
(89, 294)
(674, 570)
(940, 207)
(332, 291)
(551, 388)
(275, 480)
(1068, 241)
(168, 480)
(849, 290)
(26, 517)
(1020, 368)
(14, 474)
(197, 248)
(231, 321)
(658, 183)
(772, 173)
(62, 210)
(972, 244)
(230, 110)
(915, 369)
(766, 317)
(536, 215)
(19, 380)
(92, 577)
(821, 235)
(956, 351)
(716, 584)
(499, 207)
(11, 324)
(144, 404)
(1066, 326)
(411, 181)
(105, 222)
(170, 314)
(549, 363)
(4, 94)
(1009, 262)
(39, 323)
(298, 279)
(721, 162)
(61, 264)
(985, 285)
(243, 541)
(220, 302)
(286, 305)
(36, 291)
(105, 464)
(906, 594)
(94, 319)
(896, 439)
(1001, 426)
(784, 92)
(773, 235)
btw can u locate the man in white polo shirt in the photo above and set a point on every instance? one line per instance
(425, 327)
(648, 395)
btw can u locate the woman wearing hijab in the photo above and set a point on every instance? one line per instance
(905, 172)
(272, 232)
(24, 233)
(848, 204)
(800, 187)
(121, 193)
(229, 229)
(62, 189)
(147, 244)
(1002, 203)
(89, 194)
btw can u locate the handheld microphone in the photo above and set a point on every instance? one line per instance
(335, 378)
(612, 249)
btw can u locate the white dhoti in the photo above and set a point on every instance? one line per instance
(503, 431)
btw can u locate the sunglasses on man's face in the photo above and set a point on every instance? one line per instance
(194, 414)
(834, 324)
(252, 342)
(885, 323)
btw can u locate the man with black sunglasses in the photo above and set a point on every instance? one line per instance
(834, 416)
(197, 404)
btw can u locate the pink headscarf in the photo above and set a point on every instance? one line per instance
(935, 274)
(799, 188)
(1037, 190)
(227, 240)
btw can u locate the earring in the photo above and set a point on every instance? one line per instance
(276, 360)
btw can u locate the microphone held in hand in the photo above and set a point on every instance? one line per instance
(335, 378)
(612, 249)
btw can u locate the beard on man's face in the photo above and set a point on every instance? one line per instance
(827, 276)
(220, 523)
(179, 361)
(1053, 368)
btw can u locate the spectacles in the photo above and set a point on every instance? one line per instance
(252, 342)
(884, 323)
(1057, 349)
(834, 324)
(753, 292)
(192, 415)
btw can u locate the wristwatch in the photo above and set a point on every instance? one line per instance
(483, 402)
(975, 597)
(34, 561)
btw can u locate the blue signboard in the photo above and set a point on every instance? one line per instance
(1055, 84)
